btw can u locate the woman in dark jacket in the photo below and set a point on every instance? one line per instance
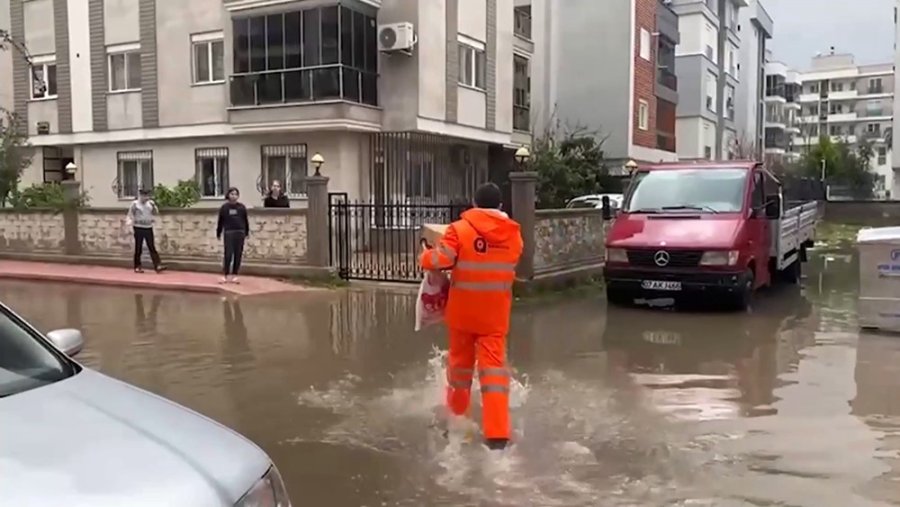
(276, 198)
(235, 225)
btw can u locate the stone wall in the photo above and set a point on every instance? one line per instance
(567, 239)
(31, 231)
(276, 236)
(873, 213)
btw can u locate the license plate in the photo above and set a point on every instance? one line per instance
(662, 337)
(661, 285)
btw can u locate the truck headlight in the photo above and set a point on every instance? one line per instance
(269, 491)
(616, 255)
(720, 258)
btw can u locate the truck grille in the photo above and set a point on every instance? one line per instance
(677, 258)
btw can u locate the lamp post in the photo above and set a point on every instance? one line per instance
(631, 166)
(317, 161)
(522, 157)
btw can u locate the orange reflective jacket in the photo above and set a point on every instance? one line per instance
(482, 249)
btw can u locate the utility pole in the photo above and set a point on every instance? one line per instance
(720, 81)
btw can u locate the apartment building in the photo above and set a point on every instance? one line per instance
(851, 103)
(609, 68)
(895, 142)
(755, 27)
(707, 69)
(244, 92)
(782, 115)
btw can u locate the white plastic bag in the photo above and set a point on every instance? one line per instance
(432, 299)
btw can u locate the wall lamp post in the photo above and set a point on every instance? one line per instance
(522, 157)
(317, 161)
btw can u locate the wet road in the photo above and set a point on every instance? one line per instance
(789, 405)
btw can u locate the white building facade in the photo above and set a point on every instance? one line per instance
(708, 76)
(755, 27)
(782, 113)
(244, 92)
(852, 104)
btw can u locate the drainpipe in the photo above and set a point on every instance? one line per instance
(720, 82)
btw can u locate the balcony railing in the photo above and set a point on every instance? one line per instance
(522, 23)
(667, 78)
(665, 141)
(521, 118)
(331, 82)
(875, 90)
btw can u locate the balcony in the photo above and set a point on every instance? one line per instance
(843, 95)
(667, 78)
(325, 83)
(809, 97)
(841, 117)
(875, 114)
(522, 22)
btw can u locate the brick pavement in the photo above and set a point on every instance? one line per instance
(119, 277)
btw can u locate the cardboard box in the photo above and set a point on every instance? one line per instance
(432, 233)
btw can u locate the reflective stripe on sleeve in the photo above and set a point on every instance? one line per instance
(486, 266)
(482, 286)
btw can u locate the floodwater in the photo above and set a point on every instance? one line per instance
(788, 405)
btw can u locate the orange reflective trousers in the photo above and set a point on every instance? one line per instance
(490, 353)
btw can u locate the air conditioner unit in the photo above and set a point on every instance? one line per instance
(396, 37)
(43, 128)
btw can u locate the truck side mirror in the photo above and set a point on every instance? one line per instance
(773, 207)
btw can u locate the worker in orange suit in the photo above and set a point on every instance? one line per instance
(481, 250)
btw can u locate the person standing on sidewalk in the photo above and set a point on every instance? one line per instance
(140, 217)
(481, 250)
(235, 226)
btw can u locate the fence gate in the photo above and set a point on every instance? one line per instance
(379, 241)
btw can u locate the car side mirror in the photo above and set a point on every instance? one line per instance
(773, 207)
(69, 341)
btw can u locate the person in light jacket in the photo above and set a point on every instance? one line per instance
(235, 226)
(140, 217)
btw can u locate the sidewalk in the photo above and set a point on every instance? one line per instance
(119, 277)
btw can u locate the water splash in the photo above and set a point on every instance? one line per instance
(575, 445)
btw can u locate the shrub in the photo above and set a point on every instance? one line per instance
(44, 195)
(184, 194)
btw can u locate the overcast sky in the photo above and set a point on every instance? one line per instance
(805, 27)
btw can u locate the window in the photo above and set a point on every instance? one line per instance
(711, 92)
(212, 171)
(813, 88)
(44, 82)
(521, 94)
(643, 115)
(27, 361)
(125, 68)
(645, 44)
(708, 190)
(707, 152)
(882, 155)
(836, 130)
(315, 54)
(873, 128)
(758, 198)
(135, 173)
(286, 164)
(208, 58)
(875, 85)
(472, 66)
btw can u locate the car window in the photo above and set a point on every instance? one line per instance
(26, 361)
(759, 191)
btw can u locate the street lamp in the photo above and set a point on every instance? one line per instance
(71, 169)
(317, 161)
(522, 155)
(631, 166)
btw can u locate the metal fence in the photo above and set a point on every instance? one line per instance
(380, 241)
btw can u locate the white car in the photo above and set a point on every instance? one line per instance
(596, 201)
(75, 437)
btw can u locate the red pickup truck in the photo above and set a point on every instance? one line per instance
(718, 230)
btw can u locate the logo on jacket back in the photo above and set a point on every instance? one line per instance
(480, 245)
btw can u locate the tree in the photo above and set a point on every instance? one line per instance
(569, 165)
(15, 154)
(843, 166)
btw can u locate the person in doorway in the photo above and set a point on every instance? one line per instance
(482, 249)
(235, 226)
(140, 217)
(276, 197)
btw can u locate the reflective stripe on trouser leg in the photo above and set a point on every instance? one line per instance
(495, 401)
(460, 369)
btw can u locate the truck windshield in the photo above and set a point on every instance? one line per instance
(702, 190)
(26, 362)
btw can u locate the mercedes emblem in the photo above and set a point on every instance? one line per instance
(661, 258)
